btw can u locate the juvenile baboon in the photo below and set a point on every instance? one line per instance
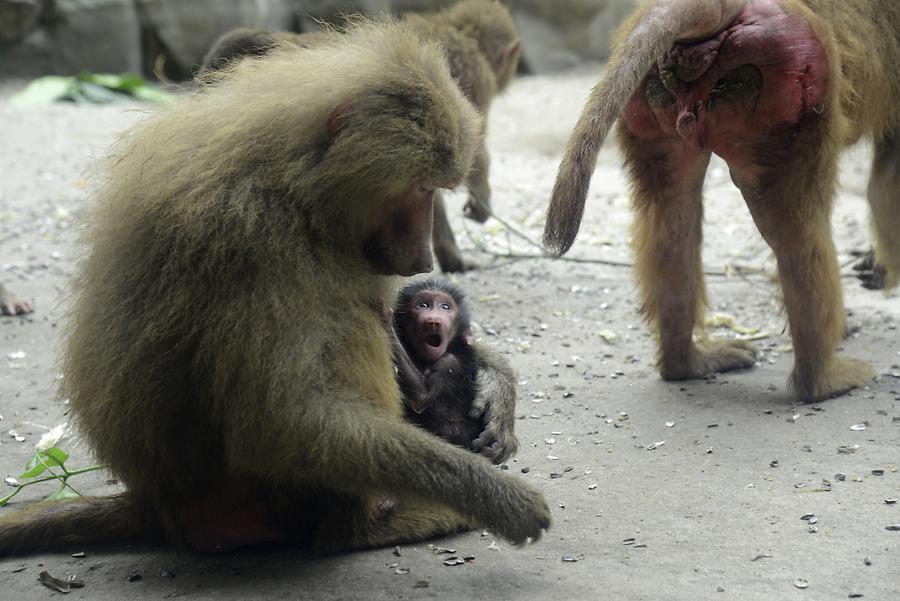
(244, 42)
(447, 379)
(482, 46)
(11, 305)
(776, 89)
(227, 358)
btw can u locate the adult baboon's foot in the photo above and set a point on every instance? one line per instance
(451, 261)
(840, 377)
(872, 275)
(477, 207)
(708, 357)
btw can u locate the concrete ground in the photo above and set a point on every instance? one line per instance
(660, 491)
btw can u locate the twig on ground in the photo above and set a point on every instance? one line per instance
(738, 270)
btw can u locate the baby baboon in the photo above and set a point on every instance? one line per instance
(481, 42)
(447, 379)
(226, 356)
(10, 305)
(776, 89)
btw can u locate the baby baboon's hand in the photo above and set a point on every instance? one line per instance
(496, 442)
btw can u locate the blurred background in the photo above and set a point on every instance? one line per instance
(168, 38)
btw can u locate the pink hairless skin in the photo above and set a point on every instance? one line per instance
(760, 78)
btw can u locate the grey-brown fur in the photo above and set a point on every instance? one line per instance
(481, 43)
(226, 328)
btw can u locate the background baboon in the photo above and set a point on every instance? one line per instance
(447, 379)
(290, 190)
(244, 42)
(482, 46)
(776, 89)
(11, 305)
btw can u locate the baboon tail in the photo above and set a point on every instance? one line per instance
(51, 525)
(641, 41)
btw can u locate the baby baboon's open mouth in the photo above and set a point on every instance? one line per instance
(433, 340)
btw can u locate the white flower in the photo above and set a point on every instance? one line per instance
(58, 434)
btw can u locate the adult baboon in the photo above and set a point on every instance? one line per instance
(776, 89)
(482, 46)
(227, 358)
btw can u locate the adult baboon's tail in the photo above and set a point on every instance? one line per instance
(640, 42)
(65, 523)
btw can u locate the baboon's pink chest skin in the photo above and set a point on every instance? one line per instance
(760, 78)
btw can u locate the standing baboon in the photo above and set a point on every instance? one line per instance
(776, 89)
(482, 46)
(227, 358)
(446, 377)
(11, 305)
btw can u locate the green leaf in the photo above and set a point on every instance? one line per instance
(93, 88)
(64, 492)
(151, 94)
(107, 80)
(128, 83)
(121, 83)
(98, 94)
(44, 90)
(54, 456)
(34, 467)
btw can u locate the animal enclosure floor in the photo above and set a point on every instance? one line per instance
(659, 491)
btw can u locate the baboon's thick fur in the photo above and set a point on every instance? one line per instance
(226, 330)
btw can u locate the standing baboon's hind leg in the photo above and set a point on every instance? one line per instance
(444, 242)
(790, 202)
(667, 183)
(880, 269)
(478, 206)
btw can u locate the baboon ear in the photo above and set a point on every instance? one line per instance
(507, 53)
(337, 120)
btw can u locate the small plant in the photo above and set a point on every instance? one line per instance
(48, 465)
(89, 88)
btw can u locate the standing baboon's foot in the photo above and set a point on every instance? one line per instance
(453, 262)
(850, 327)
(841, 376)
(870, 272)
(708, 357)
(477, 208)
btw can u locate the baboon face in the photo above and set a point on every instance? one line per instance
(400, 242)
(432, 323)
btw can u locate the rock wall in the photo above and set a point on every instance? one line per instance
(170, 37)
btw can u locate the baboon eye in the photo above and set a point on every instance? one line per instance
(422, 305)
(445, 306)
